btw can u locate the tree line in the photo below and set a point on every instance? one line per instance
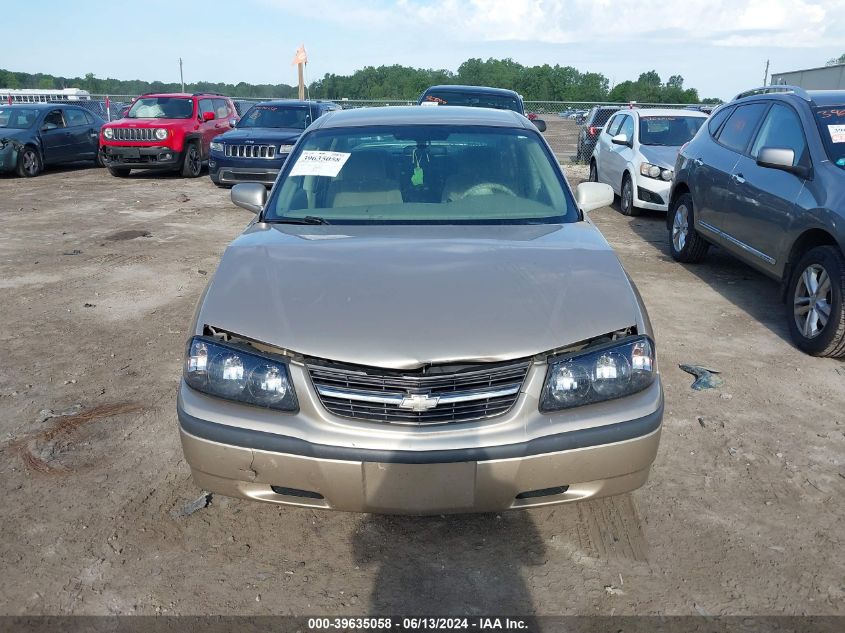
(535, 83)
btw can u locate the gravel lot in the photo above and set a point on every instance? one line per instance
(743, 513)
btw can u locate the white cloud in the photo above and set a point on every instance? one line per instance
(740, 23)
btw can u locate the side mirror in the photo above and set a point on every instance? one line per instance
(233, 122)
(593, 195)
(619, 139)
(250, 196)
(208, 116)
(540, 124)
(781, 158)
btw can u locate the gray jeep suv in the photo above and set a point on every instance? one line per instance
(765, 180)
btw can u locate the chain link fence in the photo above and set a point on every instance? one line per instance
(569, 124)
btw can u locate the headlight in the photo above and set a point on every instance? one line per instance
(604, 373)
(161, 133)
(217, 147)
(285, 149)
(655, 171)
(234, 374)
(108, 132)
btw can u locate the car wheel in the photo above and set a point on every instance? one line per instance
(119, 172)
(594, 172)
(626, 200)
(814, 302)
(100, 161)
(29, 162)
(192, 163)
(686, 245)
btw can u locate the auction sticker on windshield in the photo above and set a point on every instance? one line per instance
(318, 163)
(837, 133)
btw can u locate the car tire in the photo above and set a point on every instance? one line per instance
(816, 317)
(119, 172)
(594, 171)
(29, 162)
(685, 243)
(192, 162)
(626, 199)
(100, 161)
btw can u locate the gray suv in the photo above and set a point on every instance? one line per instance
(765, 180)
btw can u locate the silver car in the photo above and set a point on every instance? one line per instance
(420, 319)
(635, 154)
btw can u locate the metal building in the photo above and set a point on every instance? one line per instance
(821, 78)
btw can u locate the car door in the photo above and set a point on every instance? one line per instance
(618, 156)
(764, 198)
(55, 138)
(208, 129)
(713, 188)
(603, 147)
(83, 135)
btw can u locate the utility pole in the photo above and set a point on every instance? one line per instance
(766, 74)
(181, 78)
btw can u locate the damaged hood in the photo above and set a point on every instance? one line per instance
(405, 296)
(13, 134)
(660, 155)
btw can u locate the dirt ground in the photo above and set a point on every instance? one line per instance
(743, 513)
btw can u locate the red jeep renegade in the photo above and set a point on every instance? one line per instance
(168, 132)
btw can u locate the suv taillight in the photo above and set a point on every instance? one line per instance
(593, 130)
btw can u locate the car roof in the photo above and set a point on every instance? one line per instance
(294, 102)
(473, 90)
(827, 97)
(646, 112)
(39, 105)
(418, 115)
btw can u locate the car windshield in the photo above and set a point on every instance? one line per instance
(161, 108)
(474, 99)
(672, 131)
(422, 174)
(831, 121)
(298, 117)
(17, 118)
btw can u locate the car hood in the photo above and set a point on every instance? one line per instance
(14, 134)
(261, 134)
(660, 155)
(403, 297)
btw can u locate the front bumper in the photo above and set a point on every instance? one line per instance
(226, 170)
(651, 193)
(314, 459)
(137, 157)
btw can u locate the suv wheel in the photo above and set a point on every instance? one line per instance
(626, 202)
(814, 302)
(686, 245)
(594, 172)
(119, 172)
(29, 162)
(192, 163)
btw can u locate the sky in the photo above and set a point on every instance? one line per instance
(720, 47)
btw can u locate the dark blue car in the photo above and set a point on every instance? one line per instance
(260, 143)
(33, 135)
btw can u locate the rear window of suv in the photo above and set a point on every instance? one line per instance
(740, 127)
(831, 121)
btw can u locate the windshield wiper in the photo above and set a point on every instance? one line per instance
(308, 219)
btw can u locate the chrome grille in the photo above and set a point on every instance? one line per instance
(250, 151)
(415, 398)
(134, 133)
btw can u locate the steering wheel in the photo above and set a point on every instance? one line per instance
(487, 189)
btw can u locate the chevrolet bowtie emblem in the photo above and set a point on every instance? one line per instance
(419, 402)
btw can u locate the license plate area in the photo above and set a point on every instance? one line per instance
(419, 488)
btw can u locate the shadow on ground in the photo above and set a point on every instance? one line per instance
(460, 565)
